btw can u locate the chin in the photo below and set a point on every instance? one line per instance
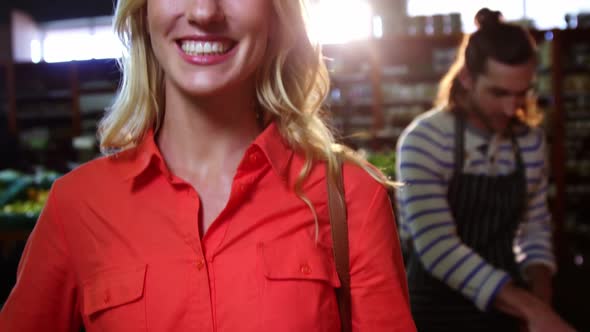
(203, 91)
(204, 88)
(500, 127)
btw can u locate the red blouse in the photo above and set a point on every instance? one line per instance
(118, 248)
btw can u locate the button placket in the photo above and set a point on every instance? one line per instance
(107, 297)
(253, 158)
(243, 186)
(200, 264)
(305, 269)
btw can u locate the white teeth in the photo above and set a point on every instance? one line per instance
(201, 48)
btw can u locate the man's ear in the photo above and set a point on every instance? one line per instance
(466, 79)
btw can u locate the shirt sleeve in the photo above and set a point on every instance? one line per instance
(428, 221)
(534, 236)
(378, 282)
(45, 296)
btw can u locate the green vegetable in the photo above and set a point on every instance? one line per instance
(385, 161)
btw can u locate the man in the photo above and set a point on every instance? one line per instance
(474, 202)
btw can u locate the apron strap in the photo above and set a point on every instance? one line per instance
(459, 151)
(516, 149)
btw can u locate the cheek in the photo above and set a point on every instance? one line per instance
(152, 11)
(162, 15)
(153, 23)
(259, 32)
(486, 102)
(249, 16)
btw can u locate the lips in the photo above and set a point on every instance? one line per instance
(205, 47)
(206, 50)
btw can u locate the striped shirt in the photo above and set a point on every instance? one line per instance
(425, 164)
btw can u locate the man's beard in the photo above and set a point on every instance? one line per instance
(488, 121)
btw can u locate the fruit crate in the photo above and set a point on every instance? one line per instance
(384, 161)
(22, 201)
(7, 178)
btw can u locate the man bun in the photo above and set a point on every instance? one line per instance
(486, 18)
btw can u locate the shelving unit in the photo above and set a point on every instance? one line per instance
(44, 91)
(3, 89)
(57, 102)
(97, 81)
(352, 94)
(379, 86)
(8, 102)
(564, 81)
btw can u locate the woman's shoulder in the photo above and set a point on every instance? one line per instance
(359, 184)
(104, 171)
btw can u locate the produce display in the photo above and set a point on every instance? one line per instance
(8, 177)
(23, 196)
(384, 161)
(31, 206)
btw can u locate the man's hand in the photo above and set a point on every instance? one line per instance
(536, 315)
(540, 282)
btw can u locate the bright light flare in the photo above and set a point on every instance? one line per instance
(81, 44)
(35, 51)
(340, 21)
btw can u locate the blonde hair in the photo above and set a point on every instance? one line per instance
(291, 86)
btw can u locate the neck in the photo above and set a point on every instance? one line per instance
(206, 134)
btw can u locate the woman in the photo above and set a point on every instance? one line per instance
(210, 212)
(474, 208)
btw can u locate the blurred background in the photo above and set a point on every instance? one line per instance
(58, 74)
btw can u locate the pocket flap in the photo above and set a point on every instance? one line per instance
(284, 260)
(113, 288)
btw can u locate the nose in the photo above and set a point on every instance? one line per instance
(512, 105)
(204, 12)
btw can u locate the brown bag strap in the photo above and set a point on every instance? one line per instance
(339, 227)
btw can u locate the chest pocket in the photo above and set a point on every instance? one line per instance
(113, 300)
(299, 286)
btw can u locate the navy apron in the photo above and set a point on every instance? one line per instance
(487, 211)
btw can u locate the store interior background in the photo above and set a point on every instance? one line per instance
(386, 58)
